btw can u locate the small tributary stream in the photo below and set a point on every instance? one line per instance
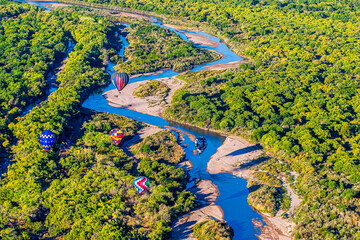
(232, 190)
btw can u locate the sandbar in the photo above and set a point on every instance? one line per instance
(206, 193)
(149, 105)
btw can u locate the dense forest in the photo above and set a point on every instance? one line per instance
(298, 94)
(83, 187)
(29, 49)
(96, 196)
(154, 48)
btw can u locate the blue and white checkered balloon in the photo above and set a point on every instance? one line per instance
(47, 139)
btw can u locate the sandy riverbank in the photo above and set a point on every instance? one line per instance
(52, 6)
(180, 27)
(149, 105)
(206, 193)
(199, 39)
(276, 228)
(238, 157)
(223, 66)
(233, 153)
(109, 12)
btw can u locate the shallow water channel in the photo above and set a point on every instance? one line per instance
(232, 190)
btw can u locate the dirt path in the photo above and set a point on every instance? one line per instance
(295, 199)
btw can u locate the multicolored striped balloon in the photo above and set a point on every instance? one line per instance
(142, 184)
(116, 136)
(47, 139)
(119, 80)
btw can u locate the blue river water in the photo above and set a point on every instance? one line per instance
(232, 190)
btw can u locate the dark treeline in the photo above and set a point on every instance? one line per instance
(298, 95)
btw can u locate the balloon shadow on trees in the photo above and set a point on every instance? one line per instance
(254, 162)
(245, 150)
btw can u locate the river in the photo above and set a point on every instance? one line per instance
(232, 190)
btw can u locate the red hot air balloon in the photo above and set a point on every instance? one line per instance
(120, 80)
(116, 136)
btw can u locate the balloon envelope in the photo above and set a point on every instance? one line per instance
(119, 80)
(200, 144)
(142, 184)
(116, 136)
(47, 139)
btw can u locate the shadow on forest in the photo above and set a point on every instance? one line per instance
(127, 143)
(183, 230)
(253, 188)
(4, 163)
(254, 162)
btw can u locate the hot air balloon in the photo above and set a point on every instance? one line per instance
(142, 184)
(200, 144)
(47, 139)
(119, 80)
(116, 136)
